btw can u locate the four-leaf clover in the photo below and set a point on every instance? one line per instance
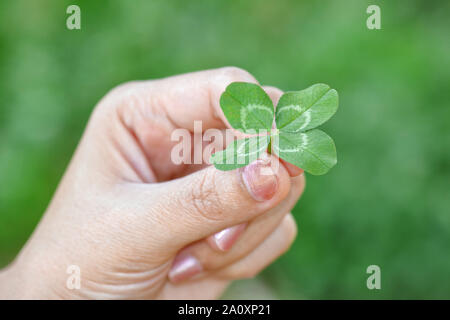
(249, 109)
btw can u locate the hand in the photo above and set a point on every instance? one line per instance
(139, 226)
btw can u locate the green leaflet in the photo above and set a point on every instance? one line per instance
(304, 110)
(313, 151)
(247, 107)
(240, 153)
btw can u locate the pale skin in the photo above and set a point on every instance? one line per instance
(140, 227)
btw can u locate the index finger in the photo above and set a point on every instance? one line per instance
(195, 96)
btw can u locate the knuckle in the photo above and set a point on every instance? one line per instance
(205, 197)
(290, 232)
(273, 89)
(244, 273)
(120, 90)
(250, 274)
(236, 74)
(301, 183)
(125, 94)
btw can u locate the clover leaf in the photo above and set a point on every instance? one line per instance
(240, 153)
(249, 109)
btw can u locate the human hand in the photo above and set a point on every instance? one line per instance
(139, 226)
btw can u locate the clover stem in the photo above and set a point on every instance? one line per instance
(273, 132)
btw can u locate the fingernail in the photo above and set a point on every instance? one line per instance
(226, 238)
(184, 267)
(293, 171)
(260, 186)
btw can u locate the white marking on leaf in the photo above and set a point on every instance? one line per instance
(295, 107)
(301, 147)
(307, 115)
(248, 109)
(299, 109)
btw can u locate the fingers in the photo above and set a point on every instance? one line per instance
(195, 96)
(268, 251)
(150, 112)
(293, 170)
(274, 94)
(186, 98)
(224, 240)
(249, 266)
(253, 231)
(276, 244)
(201, 289)
(200, 257)
(191, 208)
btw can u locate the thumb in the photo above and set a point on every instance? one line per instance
(195, 206)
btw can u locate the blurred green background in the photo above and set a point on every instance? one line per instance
(387, 202)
